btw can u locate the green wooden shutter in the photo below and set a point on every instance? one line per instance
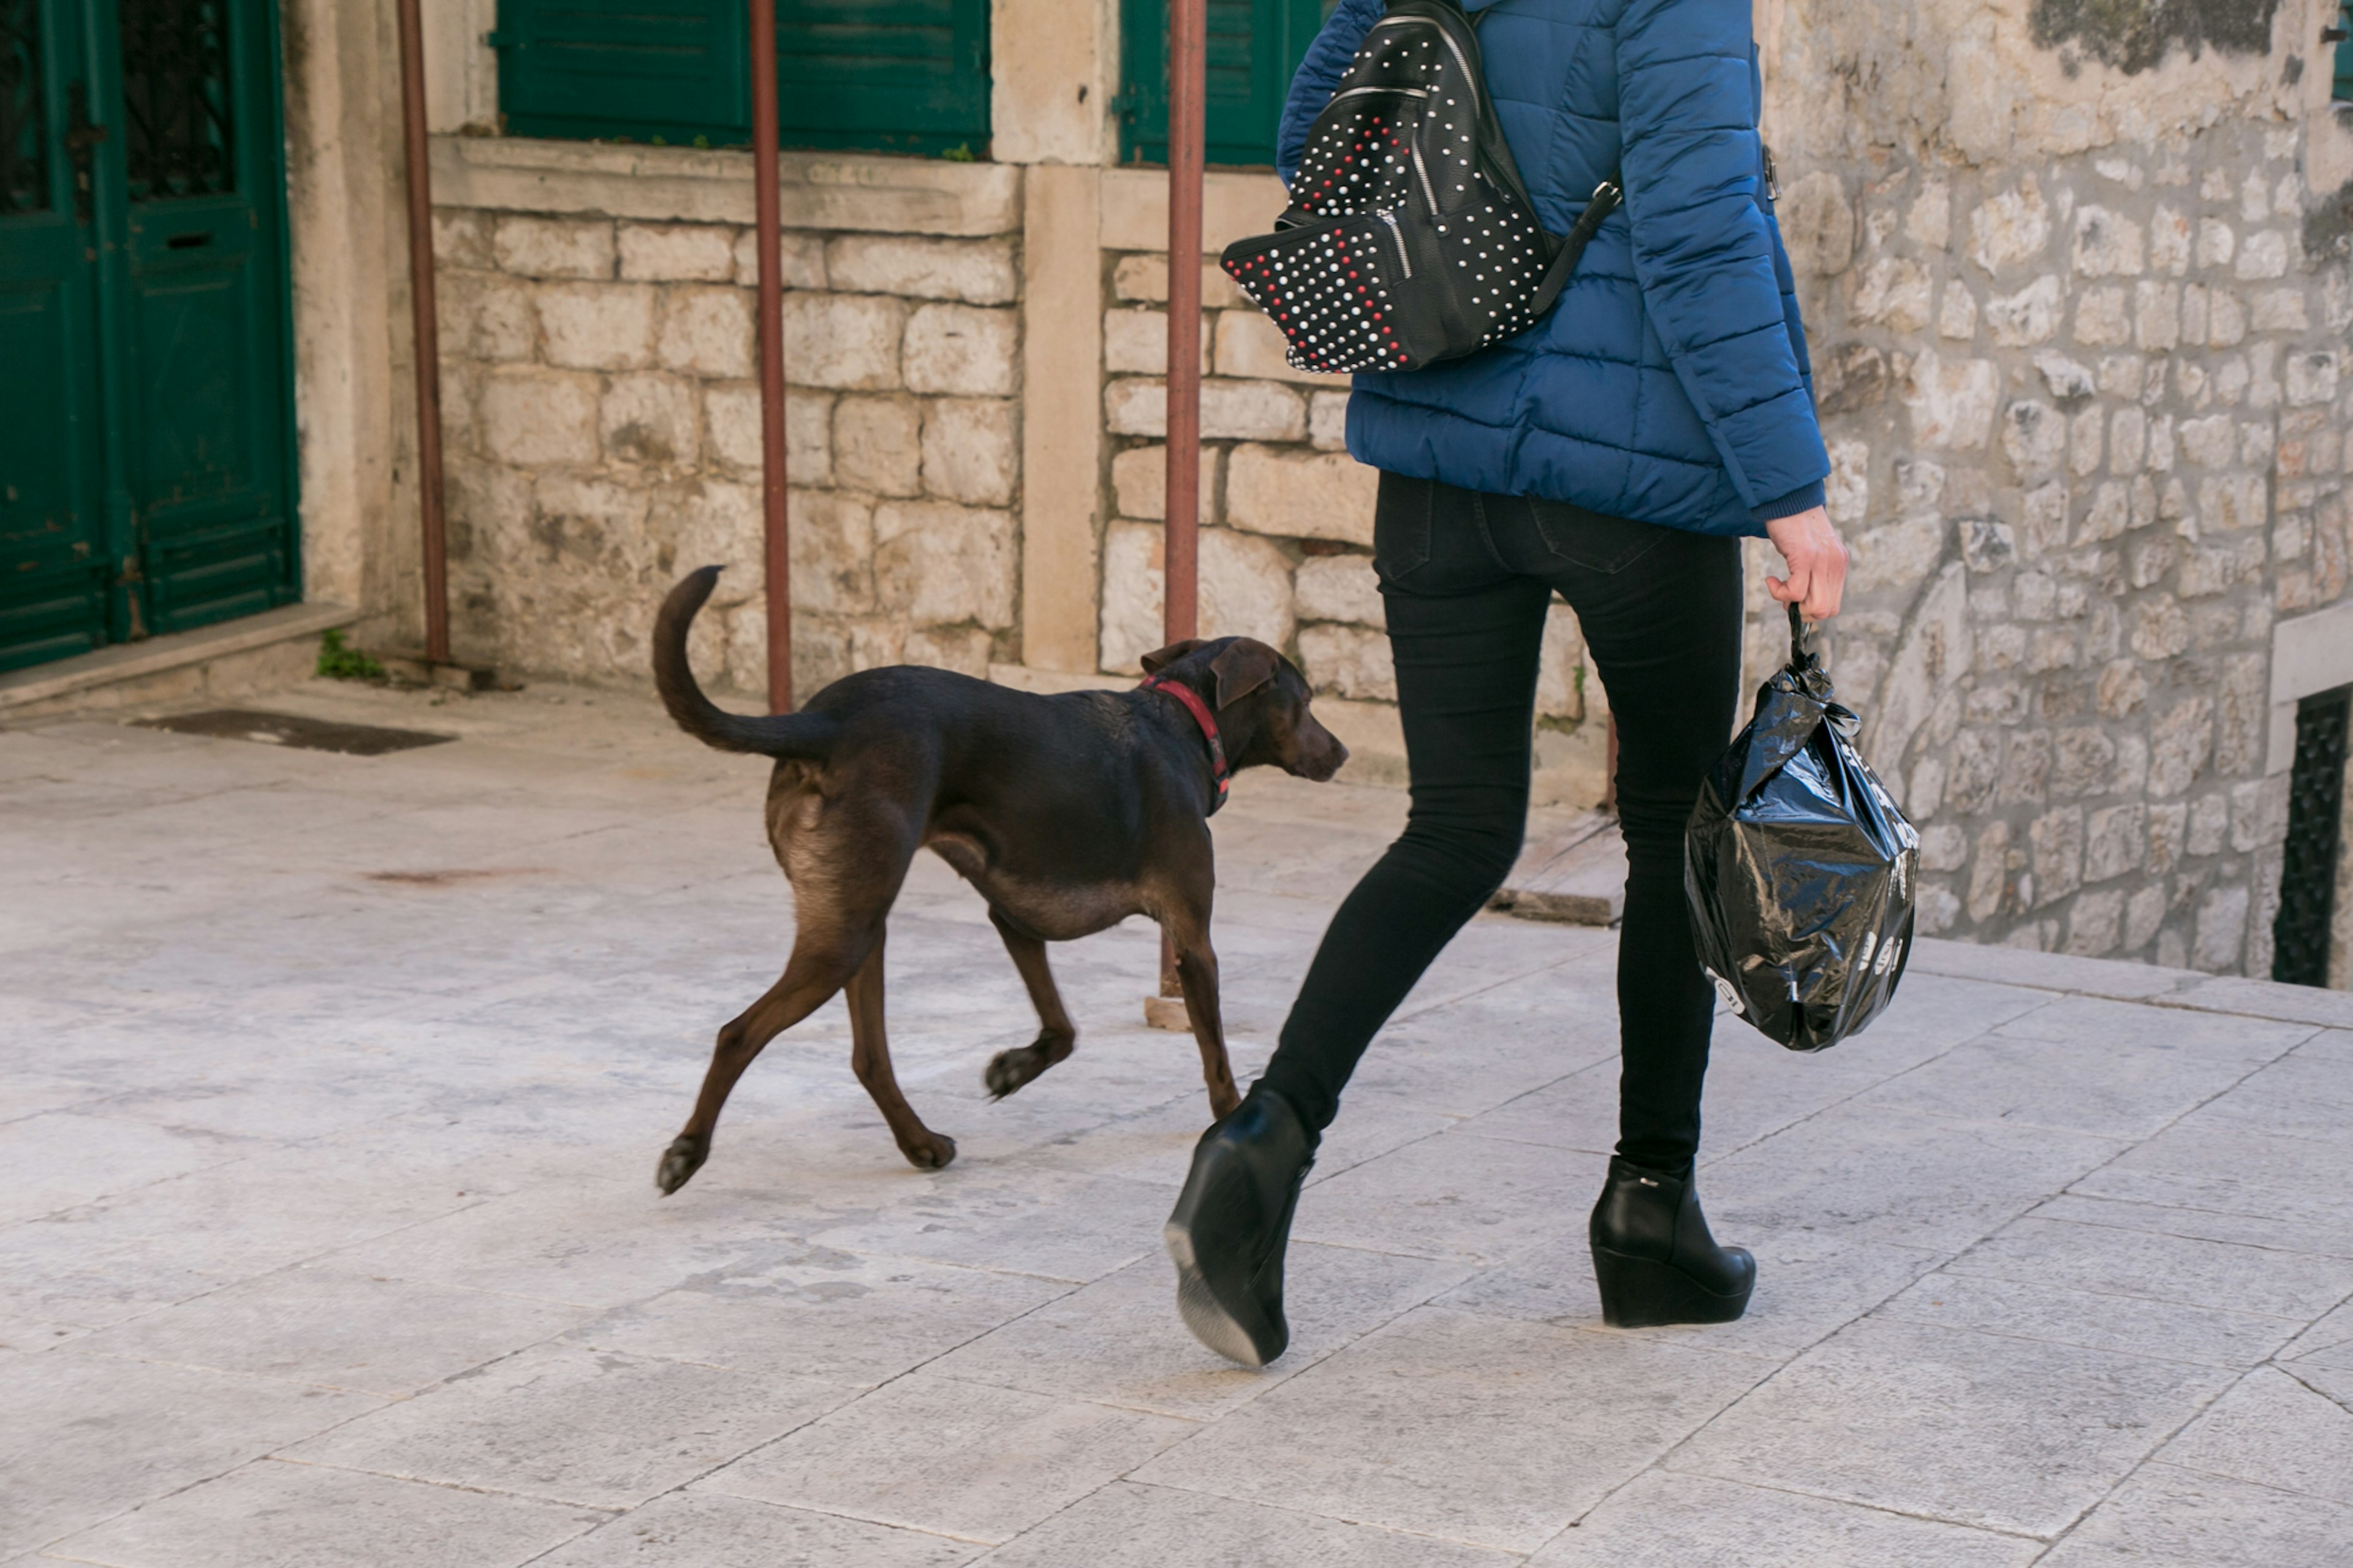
(633, 69)
(2343, 90)
(903, 75)
(1255, 45)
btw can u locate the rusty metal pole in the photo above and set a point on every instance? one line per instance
(1188, 30)
(766, 245)
(427, 327)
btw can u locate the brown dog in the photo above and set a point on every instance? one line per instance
(1068, 814)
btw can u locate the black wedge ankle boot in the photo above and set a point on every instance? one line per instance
(1232, 1224)
(1655, 1258)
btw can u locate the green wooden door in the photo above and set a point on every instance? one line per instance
(142, 292)
(55, 562)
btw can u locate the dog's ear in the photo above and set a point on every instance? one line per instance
(1242, 668)
(1161, 659)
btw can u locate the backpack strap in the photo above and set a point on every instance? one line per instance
(1607, 195)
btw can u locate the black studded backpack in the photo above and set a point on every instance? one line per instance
(1410, 238)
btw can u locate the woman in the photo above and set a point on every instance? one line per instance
(1614, 453)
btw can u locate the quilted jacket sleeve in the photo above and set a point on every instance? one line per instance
(1703, 252)
(1327, 60)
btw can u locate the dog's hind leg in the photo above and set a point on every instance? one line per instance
(870, 1057)
(816, 970)
(1196, 971)
(1009, 1070)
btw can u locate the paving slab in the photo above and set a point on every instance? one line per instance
(87, 1437)
(272, 1514)
(570, 1424)
(1661, 1520)
(1127, 1525)
(2166, 1517)
(2276, 1431)
(992, 1461)
(1976, 1428)
(1464, 1427)
(709, 1530)
(331, 1090)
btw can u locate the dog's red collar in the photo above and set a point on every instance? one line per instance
(1218, 772)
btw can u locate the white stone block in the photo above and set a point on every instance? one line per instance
(1144, 277)
(1139, 483)
(2107, 244)
(730, 425)
(1348, 661)
(845, 341)
(969, 450)
(976, 271)
(1131, 589)
(1327, 421)
(461, 237)
(1895, 293)
(2311, 378)
(531, 417)
(649, 419)
(961, 350)
(1561, 665)
(2012, 227)
(2028, 317)
(677, 252)
(1230, 410)
(1245, 588)
(940, 564)
(1252, 347)
(802, 256)
(1340, 588)
(2265, 254)
(708, 331)
(486, 316)
(1135, 342)
(1301, 495)
(2102, 317)
(1952, 402)
(553, 248)
(597, 326)
(877, 445)
(832, 552)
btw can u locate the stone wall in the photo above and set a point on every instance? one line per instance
(603, 438)
(2081, 337)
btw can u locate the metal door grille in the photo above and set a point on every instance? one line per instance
(175, 96)
(2315, 815)
(24, 183)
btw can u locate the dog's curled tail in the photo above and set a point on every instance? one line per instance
(805, 736)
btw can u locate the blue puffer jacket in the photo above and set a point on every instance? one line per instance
(1670, 383)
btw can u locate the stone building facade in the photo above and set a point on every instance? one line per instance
(2080, 291)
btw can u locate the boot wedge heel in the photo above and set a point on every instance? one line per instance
(1642, 1293)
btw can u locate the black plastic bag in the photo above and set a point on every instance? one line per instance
(1799, 870)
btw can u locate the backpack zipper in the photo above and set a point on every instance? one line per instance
(1421, 169)
(1398, 235)
(1387, 92)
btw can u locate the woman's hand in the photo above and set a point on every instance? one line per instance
(1809, 542)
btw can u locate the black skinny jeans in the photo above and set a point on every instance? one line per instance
(1467, 578)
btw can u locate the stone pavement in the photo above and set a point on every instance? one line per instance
(333, 1088)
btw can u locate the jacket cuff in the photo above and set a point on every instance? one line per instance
(1789, 505)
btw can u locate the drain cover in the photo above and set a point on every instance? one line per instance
(294, 729)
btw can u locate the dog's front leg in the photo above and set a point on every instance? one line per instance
(1197, 973)
(1009, 1070)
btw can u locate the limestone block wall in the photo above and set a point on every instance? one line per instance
(602, 428)
(2081, 320)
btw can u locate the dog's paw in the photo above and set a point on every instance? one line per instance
(681, 1161)
(931, 1155)
(1009, 1070)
